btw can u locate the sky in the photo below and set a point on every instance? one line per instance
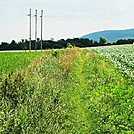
(63, 19)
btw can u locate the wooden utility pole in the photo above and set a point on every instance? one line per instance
(35, 29)
(30, 30)
(41, 28)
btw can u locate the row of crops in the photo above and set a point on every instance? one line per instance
(121, 56)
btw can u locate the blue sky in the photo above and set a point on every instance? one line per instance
(64, 19)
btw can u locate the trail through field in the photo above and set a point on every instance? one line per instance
(77, 114)
(89, 97)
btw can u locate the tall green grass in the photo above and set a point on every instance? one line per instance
(97, 98)
(30, 98)
(74, 91)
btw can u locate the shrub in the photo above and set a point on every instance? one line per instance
(69, 45)
(56, 53)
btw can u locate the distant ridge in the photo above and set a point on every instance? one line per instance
(111, 35)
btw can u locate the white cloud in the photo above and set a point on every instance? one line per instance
(123, 5)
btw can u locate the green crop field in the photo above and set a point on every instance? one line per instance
(67, 91)
(122, 57)
(15, 61)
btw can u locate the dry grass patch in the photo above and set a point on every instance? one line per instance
(67, 59)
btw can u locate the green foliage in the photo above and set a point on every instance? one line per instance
(69, 45)
(35, 108)
(97, 98)
(78, 92)
(56, 53)
(102, 41)
(16, 61)
(51, 44)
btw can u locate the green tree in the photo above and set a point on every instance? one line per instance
(102, 41)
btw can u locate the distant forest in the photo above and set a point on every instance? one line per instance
(51, 44)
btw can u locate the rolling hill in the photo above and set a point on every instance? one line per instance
(111, 35)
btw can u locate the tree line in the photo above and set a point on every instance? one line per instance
(62, 43)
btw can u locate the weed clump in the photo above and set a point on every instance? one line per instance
(69, 45)
(56, 53)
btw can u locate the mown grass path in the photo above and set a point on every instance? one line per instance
(77, 114)
(93, 97)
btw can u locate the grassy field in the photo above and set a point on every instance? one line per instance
(15, 61)
(65, 92)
